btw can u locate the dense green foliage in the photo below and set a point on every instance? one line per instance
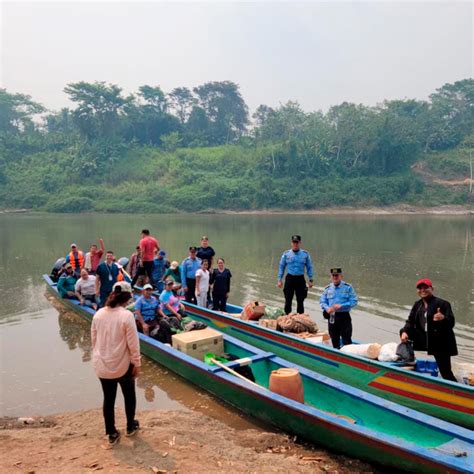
(196, 150)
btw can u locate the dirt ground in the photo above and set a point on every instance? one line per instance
(169, 442)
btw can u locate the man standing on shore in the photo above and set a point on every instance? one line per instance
(337, 300)
(149, 246)
(430, 327)
(295, 261)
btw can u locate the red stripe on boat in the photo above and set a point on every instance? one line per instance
(422, 398)
(426, 384)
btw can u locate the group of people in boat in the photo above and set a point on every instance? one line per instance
(429, 325)
(84, 276)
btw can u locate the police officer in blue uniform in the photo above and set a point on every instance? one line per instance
(337, 300)
(295, 261)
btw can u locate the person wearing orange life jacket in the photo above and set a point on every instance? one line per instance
(76, 259)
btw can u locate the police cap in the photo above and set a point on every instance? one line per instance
(296, 238)
(336, 271)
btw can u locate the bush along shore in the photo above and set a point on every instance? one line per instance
(195, 150)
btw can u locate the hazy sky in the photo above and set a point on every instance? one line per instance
(317, 53)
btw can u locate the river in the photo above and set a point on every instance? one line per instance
(45, 352)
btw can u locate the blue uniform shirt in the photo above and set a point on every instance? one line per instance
(295, 262)
(342, 294)
(147, 307)
(189, 267)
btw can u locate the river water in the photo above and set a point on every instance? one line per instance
(45, 362)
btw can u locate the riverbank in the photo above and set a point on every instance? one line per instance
(169, 442)
(398, 210)
(402, 209)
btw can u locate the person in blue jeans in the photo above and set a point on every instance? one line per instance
(160, 264)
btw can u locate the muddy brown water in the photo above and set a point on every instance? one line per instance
(45, 359)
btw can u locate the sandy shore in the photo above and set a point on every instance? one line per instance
(398, 210)
(169, 442)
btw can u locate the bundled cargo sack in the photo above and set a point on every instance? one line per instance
(253, 311)
(371, 351)
(388, 352)
(273, 313)
(297, 323)
(405, 352)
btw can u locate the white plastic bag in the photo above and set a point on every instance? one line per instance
(371, 351)
(388, 352)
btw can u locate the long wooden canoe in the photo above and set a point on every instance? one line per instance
(450, 401)
(334, 414)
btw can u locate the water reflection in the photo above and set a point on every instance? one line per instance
(75, 331)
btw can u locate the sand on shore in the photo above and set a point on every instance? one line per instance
(169, 442)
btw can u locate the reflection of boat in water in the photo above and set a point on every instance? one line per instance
(447, 400)
(334, 415)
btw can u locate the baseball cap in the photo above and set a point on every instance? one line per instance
(162, 253)
(169, 282)
(68, 265)
(148, 287)
(296, 238)
(192, 248)
(424, 281)
(73, 245)
(336, 271)
(124, 286)
(174, 265)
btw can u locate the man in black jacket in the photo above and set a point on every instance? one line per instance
(430, 327)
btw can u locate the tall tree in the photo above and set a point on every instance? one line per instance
(99, 108)
(17, 112)
(182, 102)
(225, 109)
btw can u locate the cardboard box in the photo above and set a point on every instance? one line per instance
(198, 343)
(319, 338)
(268, 323)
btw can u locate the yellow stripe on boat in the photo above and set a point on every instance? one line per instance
(427, 392)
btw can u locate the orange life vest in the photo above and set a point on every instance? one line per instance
(74, 260)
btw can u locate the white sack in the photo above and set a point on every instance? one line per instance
(388, 352)
(371, 351)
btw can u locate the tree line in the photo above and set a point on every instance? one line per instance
(349, 140)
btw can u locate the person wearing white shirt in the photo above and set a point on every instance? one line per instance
(202, 284)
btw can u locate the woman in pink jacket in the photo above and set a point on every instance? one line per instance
(116, 356)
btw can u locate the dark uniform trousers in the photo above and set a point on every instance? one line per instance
(191, 293)
(295, 284)
(443, 359)
(341, 328)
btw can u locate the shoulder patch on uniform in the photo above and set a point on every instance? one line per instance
(327, 286)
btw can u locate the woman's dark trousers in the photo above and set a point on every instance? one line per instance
(109, 387)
